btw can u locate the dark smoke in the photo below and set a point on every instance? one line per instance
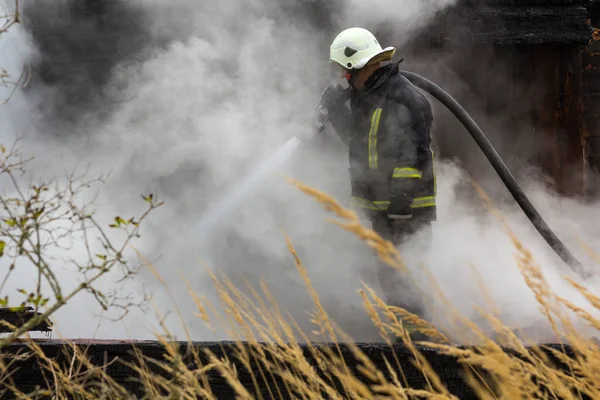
(79, 44)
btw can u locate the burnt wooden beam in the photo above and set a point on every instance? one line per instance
(590, 99)
(502, 23)
(522, 3)
(20, 316)
(30, 375)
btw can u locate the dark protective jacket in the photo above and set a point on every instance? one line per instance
(387, 130)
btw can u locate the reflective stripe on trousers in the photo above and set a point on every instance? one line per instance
(418, 202)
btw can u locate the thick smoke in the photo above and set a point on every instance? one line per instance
(183, 98)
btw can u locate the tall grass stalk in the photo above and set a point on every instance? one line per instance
(268, 345)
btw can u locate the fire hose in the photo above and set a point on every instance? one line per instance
(497, 163)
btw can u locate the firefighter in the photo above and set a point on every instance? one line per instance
(387, 130)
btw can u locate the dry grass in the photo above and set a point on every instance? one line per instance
(269, 359)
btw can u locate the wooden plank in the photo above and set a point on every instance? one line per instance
(570, 140)
(546, 107)
(534, 95)
(592, 163)
(591, 117)
(491, 85)
(507, 113)
(522, 101)
(124, 361)
(592, 102)
(520, 3)
(499, 85)
(591, 63)
(19, 317)
(513, 106)
(518, 25)
(590, 86)
(592, 124)
(562, 128)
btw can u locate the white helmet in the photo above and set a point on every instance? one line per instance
(356, 47)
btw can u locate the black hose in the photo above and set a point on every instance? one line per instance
(501, 168)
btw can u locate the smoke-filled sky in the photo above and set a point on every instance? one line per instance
(183, 98)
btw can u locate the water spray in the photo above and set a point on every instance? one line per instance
(241, 191)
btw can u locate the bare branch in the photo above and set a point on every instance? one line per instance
(40, 218)
(7, 21)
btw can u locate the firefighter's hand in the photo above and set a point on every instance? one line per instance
(320, 118)
(332, 97)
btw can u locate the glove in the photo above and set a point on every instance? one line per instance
(400, 208)
(331, 97)
(320, 118)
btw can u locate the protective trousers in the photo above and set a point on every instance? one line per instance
(398, 287)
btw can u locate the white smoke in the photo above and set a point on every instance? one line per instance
(472, 254)
(216, 89)
(405, 16)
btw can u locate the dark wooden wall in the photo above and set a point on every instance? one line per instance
(517, 67)
(550, 77)
(591, 106)
(529, 101)
(29, 374)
